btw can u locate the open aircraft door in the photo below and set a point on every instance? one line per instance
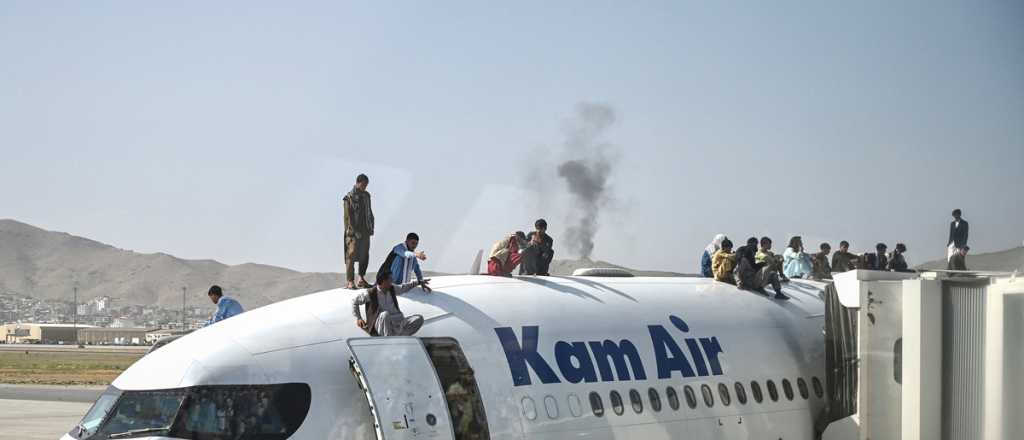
(402, 388)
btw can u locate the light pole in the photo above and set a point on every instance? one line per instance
(75, 306)
(183, 289)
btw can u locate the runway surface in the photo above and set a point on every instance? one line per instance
(37, 412)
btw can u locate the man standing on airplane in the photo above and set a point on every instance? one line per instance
(358, 230)
(226, 307)
(958, 230)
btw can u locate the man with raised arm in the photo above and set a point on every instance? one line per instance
(383, 316)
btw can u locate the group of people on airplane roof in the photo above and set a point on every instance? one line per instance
(532, 253)
(754, 266)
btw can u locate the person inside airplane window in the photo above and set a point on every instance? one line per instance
(724, 262)
(226, 306)
(405, 259)
(706, 259)
(358, 230)
(897, 262)
(539, 251)
(844, 260)
(877, 260)
(765, 255)
(752, 275)
(822, 270)
(505, 255)
(383, 316)
(795, 262)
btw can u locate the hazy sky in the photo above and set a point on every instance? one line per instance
(231, 130)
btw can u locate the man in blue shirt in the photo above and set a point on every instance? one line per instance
(404, 259)
(226, 307)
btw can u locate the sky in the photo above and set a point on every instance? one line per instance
(231, 130)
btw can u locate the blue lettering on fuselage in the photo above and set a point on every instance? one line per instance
(607, 360)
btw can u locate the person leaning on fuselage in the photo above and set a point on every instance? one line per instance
(539, 251)
(226, 306)
(724, 263)
(843, 260)
(403, 259)
(383, 316)
(706, 270)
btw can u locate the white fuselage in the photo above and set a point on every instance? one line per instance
(688, 333)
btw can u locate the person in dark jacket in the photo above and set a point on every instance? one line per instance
(897, 262)
(539, 251)
(844, 260)
(877, 260)
(958, 230)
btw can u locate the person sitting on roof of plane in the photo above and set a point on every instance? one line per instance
(383, 316)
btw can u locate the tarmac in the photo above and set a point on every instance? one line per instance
(38, 412)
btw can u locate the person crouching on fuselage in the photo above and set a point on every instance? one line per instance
(383, 316)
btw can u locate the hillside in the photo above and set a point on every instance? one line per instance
(1003, 261)
(46, 264)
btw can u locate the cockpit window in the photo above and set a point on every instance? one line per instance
(265, 412)
(96, 414)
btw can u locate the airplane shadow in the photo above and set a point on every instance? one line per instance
(598, 286)
(460, 309)
(559, 287)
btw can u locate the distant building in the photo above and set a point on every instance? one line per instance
(122, 322)
(113, 336)
(33, 333)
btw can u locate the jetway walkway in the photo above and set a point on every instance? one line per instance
(928, 356)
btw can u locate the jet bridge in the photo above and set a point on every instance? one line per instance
(935, 355)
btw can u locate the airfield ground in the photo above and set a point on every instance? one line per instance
(63, 365)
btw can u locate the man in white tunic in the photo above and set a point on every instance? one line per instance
(383, 317)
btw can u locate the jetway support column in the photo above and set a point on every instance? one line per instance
(922, 360)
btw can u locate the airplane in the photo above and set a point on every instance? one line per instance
(593, 357)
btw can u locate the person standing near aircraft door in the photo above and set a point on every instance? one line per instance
(358, 230)
(383, 317)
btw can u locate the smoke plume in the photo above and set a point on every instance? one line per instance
(586, 174)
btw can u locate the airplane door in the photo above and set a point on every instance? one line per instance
(402, 388)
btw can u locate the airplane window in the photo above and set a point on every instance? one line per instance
(529, 408)
(772, 391)
(741, 393)
(816, 383)
(616, 399)
(691, 398)
(787, 388)
(150, 410)
(575, 407)
(655, 398)
(709, 397)
(636, 401)
(723, 393)
(801, 385)
(596, 405)
(673, 398)
(755, 389)
(551, 407)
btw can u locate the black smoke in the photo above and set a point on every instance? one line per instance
(586, 174)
